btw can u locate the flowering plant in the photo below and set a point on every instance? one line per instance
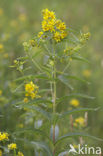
(51, 53)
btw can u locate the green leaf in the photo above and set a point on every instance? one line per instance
(67, 76)
(32, 77)
(35, 101)
(75, 135)
(42, 145)
(40, 110)
(75, 95)
(37, 145)
(80, 58)
(38, 131)
(17, 88)
(65, 81)
(77, 111)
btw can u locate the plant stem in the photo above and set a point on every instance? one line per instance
(54, 96)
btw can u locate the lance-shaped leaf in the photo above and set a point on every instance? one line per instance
(35, 101)
(65, 81)
(66, 77)
(80, 58)
(76, 135)
(42, 145)
(29, 130)
(32, 77)
(75, 95)
(40, 110)
(37, 145)
(77, 111)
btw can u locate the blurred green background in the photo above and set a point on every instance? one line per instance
(20, 20)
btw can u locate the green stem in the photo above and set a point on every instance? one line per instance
(54, 96)
(14, 152)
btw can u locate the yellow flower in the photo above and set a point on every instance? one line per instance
(22, 17)
(20, 125)
(6, 55)
(63, 34)
(48, 14)
(0, 92)
(40, 34)
(33, 95)
(12, 146)
(1, 47)
(31, 90)
(3, 136)
(87, 73)
(84, 37)
(48, 25)
(57, 36)
(60, 25)
(75, 102)
(75, 146)
(20, 154)
(29, 87)
(26, 100)
(0, 152)
(1, 11)
(53, 25)
(79, 122)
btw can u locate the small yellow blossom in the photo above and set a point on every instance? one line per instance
(3, 136)
(1, 47)
(31, 90)
(84, 37)
(29, 87)
(0, 92)
(22, 17)
(40, 34)
(6, 55)
(75, 102)
(0, 152)
(87, 73)
(32, 43)
(79, 122)
(48, 14)
(75, 146)
(57, 36)
(20, 125)
(60, 25)
(12, 146)
(20, 154)
(51, 62)
(26, 100)
(1, 11)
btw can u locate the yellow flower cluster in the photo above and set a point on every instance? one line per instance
(53, 25)
(31, 91)
(12, 146)
(79, 122)
(3, 136)
(75, 102)
(20, 154)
